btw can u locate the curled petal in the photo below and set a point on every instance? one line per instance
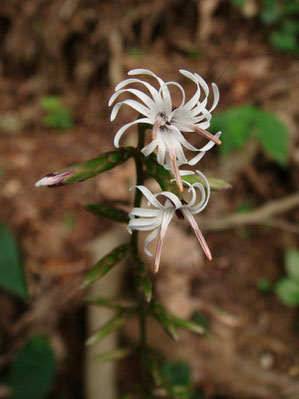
(121, 131)
(153, 91)
(141, 71)
(139, 94)
(149, 239)
(131, 103)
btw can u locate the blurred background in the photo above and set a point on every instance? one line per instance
(59, 63)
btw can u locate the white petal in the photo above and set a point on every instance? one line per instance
(148, 149)
(143, 97)
(133, 104)
(121, 131)
(173, 198)
(141, 71)
(153, 91)
(180, 88)
(149, 239)
(145, 212)
(149, 196)
(167, 216)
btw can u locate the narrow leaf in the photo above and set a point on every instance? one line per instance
(142, 278)
(104, 265)
(112, 325)
(188, 324)
(111, 303)
(33, 371)
(114, 355)
(109, 212)
(12, 276)
(85, 170)
(215, 184)
(162, 316)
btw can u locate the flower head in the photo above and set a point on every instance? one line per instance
(169, 204)
(169, 121)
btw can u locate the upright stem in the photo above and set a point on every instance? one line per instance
(142, 304)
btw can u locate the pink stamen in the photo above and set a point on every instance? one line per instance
(158, 252)
(207, 135)
(175, 168)
(199, 236)
(156, 127)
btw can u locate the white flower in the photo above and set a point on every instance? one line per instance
(145, 219)
(169, 121)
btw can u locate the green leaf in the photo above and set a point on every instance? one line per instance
(264, 285)
(162, 316)
(271, 13)
(110, 303)
(273, 136)
(85, 170)
(215, 184)
(285, 40)
(142, 278)
(292, 264)
(32, 373)
(157, 172)
(112, 325)
(114, 355)
(108, 211)
(12, 276)
(236, 124)
(177, 373)
(194, 326)
(104, 265)
(288, 292)
(57, 115)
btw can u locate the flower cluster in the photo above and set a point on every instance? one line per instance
(169, 122)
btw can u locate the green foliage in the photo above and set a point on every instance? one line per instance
(142, 278)
(281, 16)
(114, 355)
(112, 325)
(109, 212)
(104, 265)
(33, 371)
(244, 207)
(136, 52)
(292, 264)
(245, 122)
(57, 115)
(176, 373)
(170, 322)
(174, 380)
(86, 170)
(69, 220)
(287, 289)
(215, 184)
(264, 285)
(12, 276)
(272, 135)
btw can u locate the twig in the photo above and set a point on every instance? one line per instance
(262, 215)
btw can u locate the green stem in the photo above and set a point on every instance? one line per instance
(142, 304)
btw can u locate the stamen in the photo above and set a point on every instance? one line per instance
(158, 252)
(156, 127)
(175, 168)
(207, 135)
(199, 235)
